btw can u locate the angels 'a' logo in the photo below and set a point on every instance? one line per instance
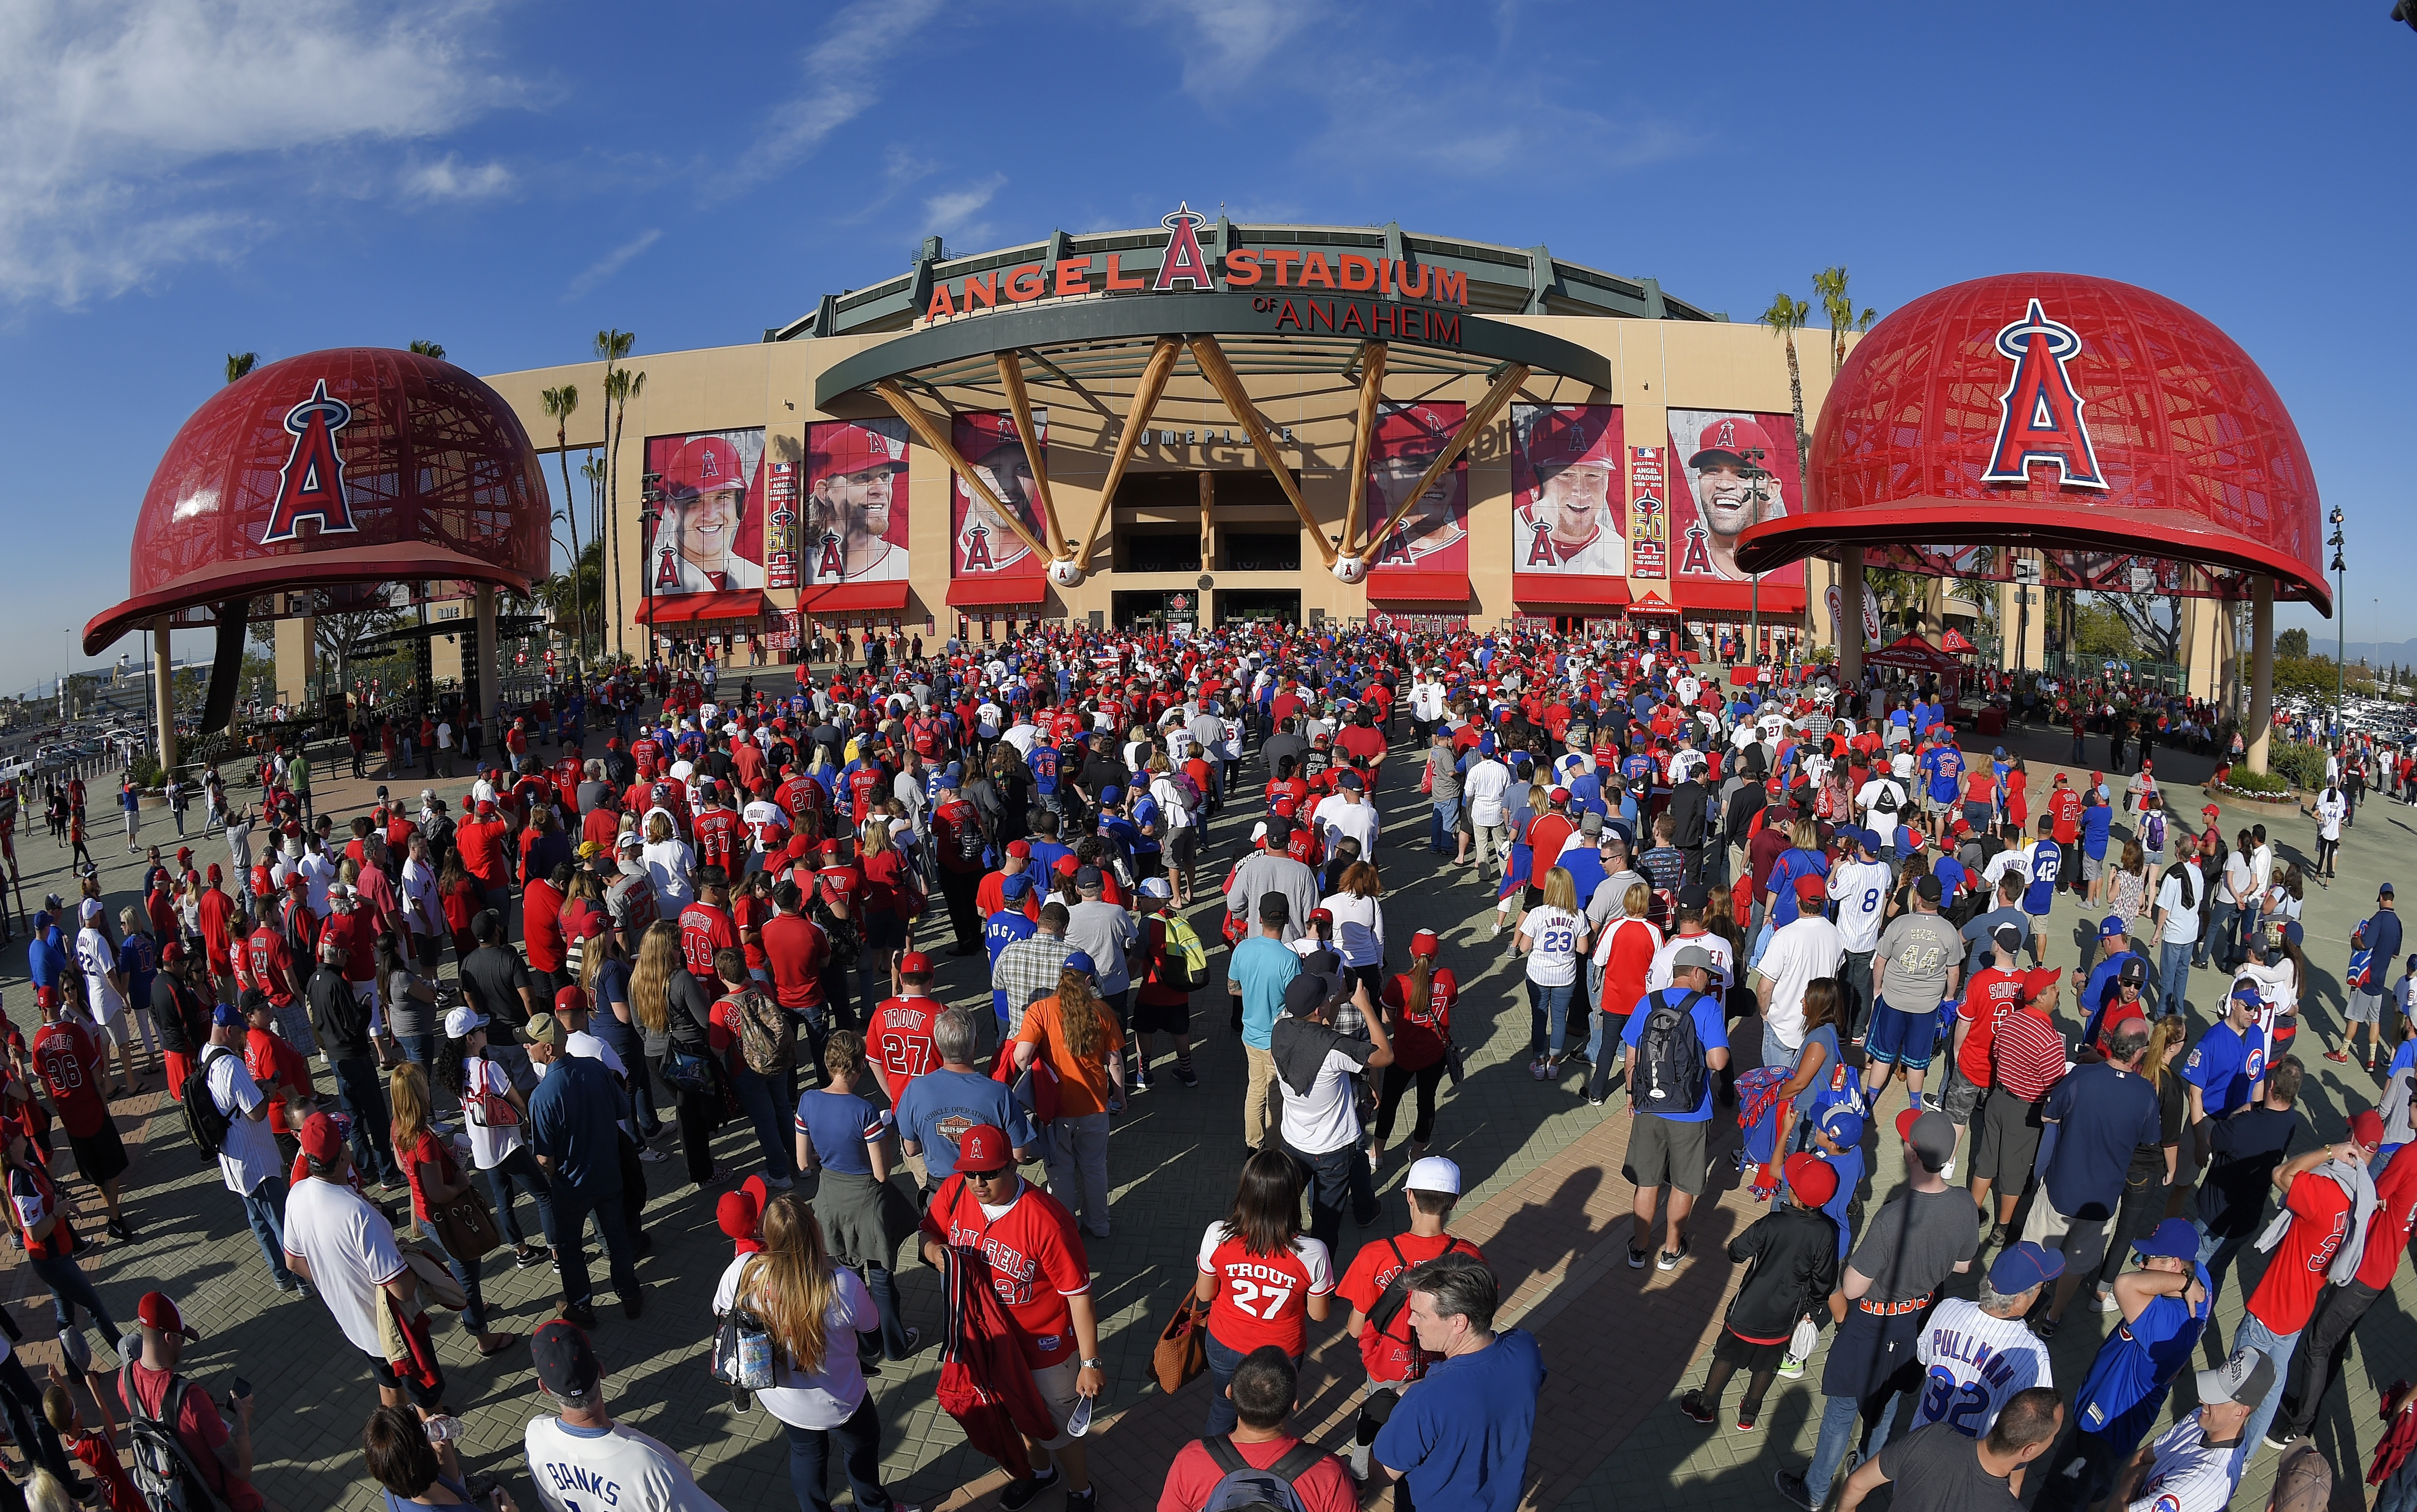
(978, 558)
(310, 486)
(1184, 259)
(2040, 413)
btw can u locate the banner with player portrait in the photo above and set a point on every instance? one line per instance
(1566, 510)
(981, 545)
(711, 535)
(1434, 536)
(1733, 469)
(855, 502)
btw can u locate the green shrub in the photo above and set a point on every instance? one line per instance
(147, 771)
(2299, 762)
(2258, 782)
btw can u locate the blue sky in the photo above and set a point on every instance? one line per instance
(183, 179)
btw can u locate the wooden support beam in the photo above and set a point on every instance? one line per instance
(923, 425)
(1487, 407)
(1208, 524)
(1010, 376)
(1229, 384)
(1363, 434)
(1137, 412)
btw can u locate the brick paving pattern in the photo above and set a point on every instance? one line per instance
(1544, 1198)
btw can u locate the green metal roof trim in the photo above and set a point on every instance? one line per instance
(1108, 336)
(1501, 279)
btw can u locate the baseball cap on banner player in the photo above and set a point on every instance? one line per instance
(703, 465)
(1411, 430)
(992, 434)
(844, 450)
(1731, 435)
(1579, 436)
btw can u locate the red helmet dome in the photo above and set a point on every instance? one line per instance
(359, 464)
(2103, 424)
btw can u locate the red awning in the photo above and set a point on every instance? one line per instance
(690, 608)
(1400, 585)
(1540, 590)
(1696, 595)
(992, 590)
(854, 597)
(1955, 643)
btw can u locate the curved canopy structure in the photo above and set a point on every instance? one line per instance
(2122, 437)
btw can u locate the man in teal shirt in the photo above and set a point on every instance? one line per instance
(1263, 966)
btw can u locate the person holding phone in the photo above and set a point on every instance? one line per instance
(149, 1382)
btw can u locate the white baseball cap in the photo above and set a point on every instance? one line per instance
(460, 1021)
(1432, 1173)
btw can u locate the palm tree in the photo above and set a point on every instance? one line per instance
(1831, 285)
(429, 349)
(239, 363)
(621, 386)
(1787, 316)
(610, 347)
(559, 403)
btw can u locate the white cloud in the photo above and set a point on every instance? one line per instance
(610, 264)
(1236, 36)
(952, 212)
(131, 129)
(841, 85)
(449, 178)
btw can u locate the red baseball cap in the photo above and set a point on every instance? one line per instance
(915, 963)
(1020, 849)
(1426, 942)
(1812, 885)
(574, 998)
(319, 1138)
(155, 1311)
(847, 449)
(2366, 1128)
(983, 1147)
(1730, 435)
(1067, 866)
(1325, 915)
(704, 465)
(740, 1217)
(1813, 1180)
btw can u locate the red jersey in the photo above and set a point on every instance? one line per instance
(956, 825)
(1263, 1299)
(2295, 1276)
(2065, 809)
(216, 909)
(270, 1061)
(2395, 1213)
(541, 924)
(272, 965)
(1989, 998)
(704, 929)
(1419, 1039)
(1035, 1260)
(1364, 744)
(794, 951)
(899, 1041)
(866, 785)
(1394, 1353)
(602, 826)
(842, 888)
(718, 839)
(481, 843)
(67, 1056)
(800, 794)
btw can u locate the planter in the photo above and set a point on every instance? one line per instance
(2288, 798)
(150, 798)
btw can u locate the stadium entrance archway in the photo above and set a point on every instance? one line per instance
(1258, 606)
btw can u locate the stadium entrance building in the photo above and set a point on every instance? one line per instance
(1200, 423)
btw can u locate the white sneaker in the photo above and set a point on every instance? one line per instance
(1947, 1172)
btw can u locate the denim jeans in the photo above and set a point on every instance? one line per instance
(263, 1208)
(358, 1091)
(2218, 943)
(572, 1208)
(2173, 976)
(2277, 1348)
(2400, 1493)
(1223, 1360)
(1077, 1157)
(859, 1448)
(1443, 825)
(2216, 1253)
(419, 1049)
(1839, 1418)
(520, 1168)
(1604, 1051)
(2244, 927)
(757, 1097)
(882, 1284)
(70, 1290)
(1855, 976)
(1336, 1177)
(466, 1269)
(1549, 1013)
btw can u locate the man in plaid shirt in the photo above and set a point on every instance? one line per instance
(1029, 970)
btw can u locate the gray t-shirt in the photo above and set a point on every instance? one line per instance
(1938, 1470)
(1919, 950)
(1443, 767)
(1915, 1242)
(1103, 931)
(1979, 929)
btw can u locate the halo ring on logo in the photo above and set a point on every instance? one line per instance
(2014, 340)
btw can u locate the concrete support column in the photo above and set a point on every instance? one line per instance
(163, 694)
(488, 688)
(1851, 617)
(2261, 673)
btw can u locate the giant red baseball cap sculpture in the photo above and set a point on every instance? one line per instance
(360, 464)
(2104, 426)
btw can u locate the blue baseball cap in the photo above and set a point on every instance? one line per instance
(2021, 1267)
(1081, 961)
(224, 1017)
(1842, 1124)
(2174, 1239)
(1015, 886)
(947, 783)
(2246, 992)
(1109, 795)
(2113, 927)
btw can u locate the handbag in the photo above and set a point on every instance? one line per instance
(465, 1228)
(1182, 1350)
(687, 1072)
(742, 1351)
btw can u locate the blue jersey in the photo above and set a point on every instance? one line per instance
(1043, 762)
(2097, 821)
(1790, 865)
(1946, 774)
(999, 931)
(2124, 1392)
(2047, 860)
(2223, 1065)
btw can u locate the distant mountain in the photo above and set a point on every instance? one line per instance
(2375, 653)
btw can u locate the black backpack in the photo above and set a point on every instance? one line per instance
(203, 1119)
(1396, 1294)
(969, 836)
(1245, 1487)
(156, 1460)
(1669, 1075)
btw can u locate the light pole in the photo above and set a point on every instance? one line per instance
(2341, 622)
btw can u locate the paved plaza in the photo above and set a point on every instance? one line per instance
(1545, 1198)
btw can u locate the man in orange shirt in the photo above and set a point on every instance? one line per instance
(1084, 1044)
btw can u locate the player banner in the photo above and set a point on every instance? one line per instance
(1434, 536)
(711, 534)
(855, 502)
(981, 545)
(1649, 513)
(1563, 520)
(783, 533)
(1737, 470)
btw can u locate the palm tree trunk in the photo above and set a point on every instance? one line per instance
(1795, 397)
(612, 485)
(571, 517)
(611, 516)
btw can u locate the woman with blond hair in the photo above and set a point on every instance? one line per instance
(809, 1308)
(436, 1180)
(1625, 954)
(1084, 1044)
(1553, 936)
(672, 1009)
(888, 892)
(1360, 925)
